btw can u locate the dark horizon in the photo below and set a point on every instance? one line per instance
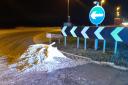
(54, 12)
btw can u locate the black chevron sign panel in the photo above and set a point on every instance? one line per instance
(119, 34)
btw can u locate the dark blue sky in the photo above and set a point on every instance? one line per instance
(53, 12)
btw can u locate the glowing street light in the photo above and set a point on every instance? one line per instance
(118, 8)
(117, 11)
(102, 2)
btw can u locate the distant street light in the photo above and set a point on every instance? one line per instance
(117, 11)
(118, 8)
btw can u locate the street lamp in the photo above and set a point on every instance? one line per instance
(118, 8)
(102, 2)
(117, 11)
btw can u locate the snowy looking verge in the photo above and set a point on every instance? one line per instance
(42, 57)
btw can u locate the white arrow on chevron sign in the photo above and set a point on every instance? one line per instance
(97, 33)
(63, 31)
(94, 15)
(83, 32)
(116, 32)
(73, 31)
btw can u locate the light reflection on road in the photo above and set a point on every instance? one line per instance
(13, 42)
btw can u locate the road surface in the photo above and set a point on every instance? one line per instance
(13, 42)
(88, 74)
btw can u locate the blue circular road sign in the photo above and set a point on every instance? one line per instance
(97, 15)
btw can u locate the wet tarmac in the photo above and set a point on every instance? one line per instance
(88, 74)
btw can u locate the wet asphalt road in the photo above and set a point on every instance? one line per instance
(88, 74)
(13, 42)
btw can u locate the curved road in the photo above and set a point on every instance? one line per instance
(13, 42)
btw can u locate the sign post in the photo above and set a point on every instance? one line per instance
(65, 41)
(83, 32)
(116, 37)
(65, 35)
(116, 46)
(72, 31)
(96, 16)
(78, 42)
(85, 43)
(96, 44)
(104, 46)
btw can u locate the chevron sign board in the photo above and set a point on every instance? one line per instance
(83, 32)
(97, 33)
(63, 30)
(73, 31)
(116, 32)
(119, 34)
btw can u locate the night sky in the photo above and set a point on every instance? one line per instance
(54, 12)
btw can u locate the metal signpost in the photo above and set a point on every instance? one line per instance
(83, 32)
(74, 35)
(65, 35)
(116, 37)
(96, 16)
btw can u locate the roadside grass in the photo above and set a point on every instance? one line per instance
(121, 58)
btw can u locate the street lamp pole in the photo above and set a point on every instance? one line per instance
(68, 8)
